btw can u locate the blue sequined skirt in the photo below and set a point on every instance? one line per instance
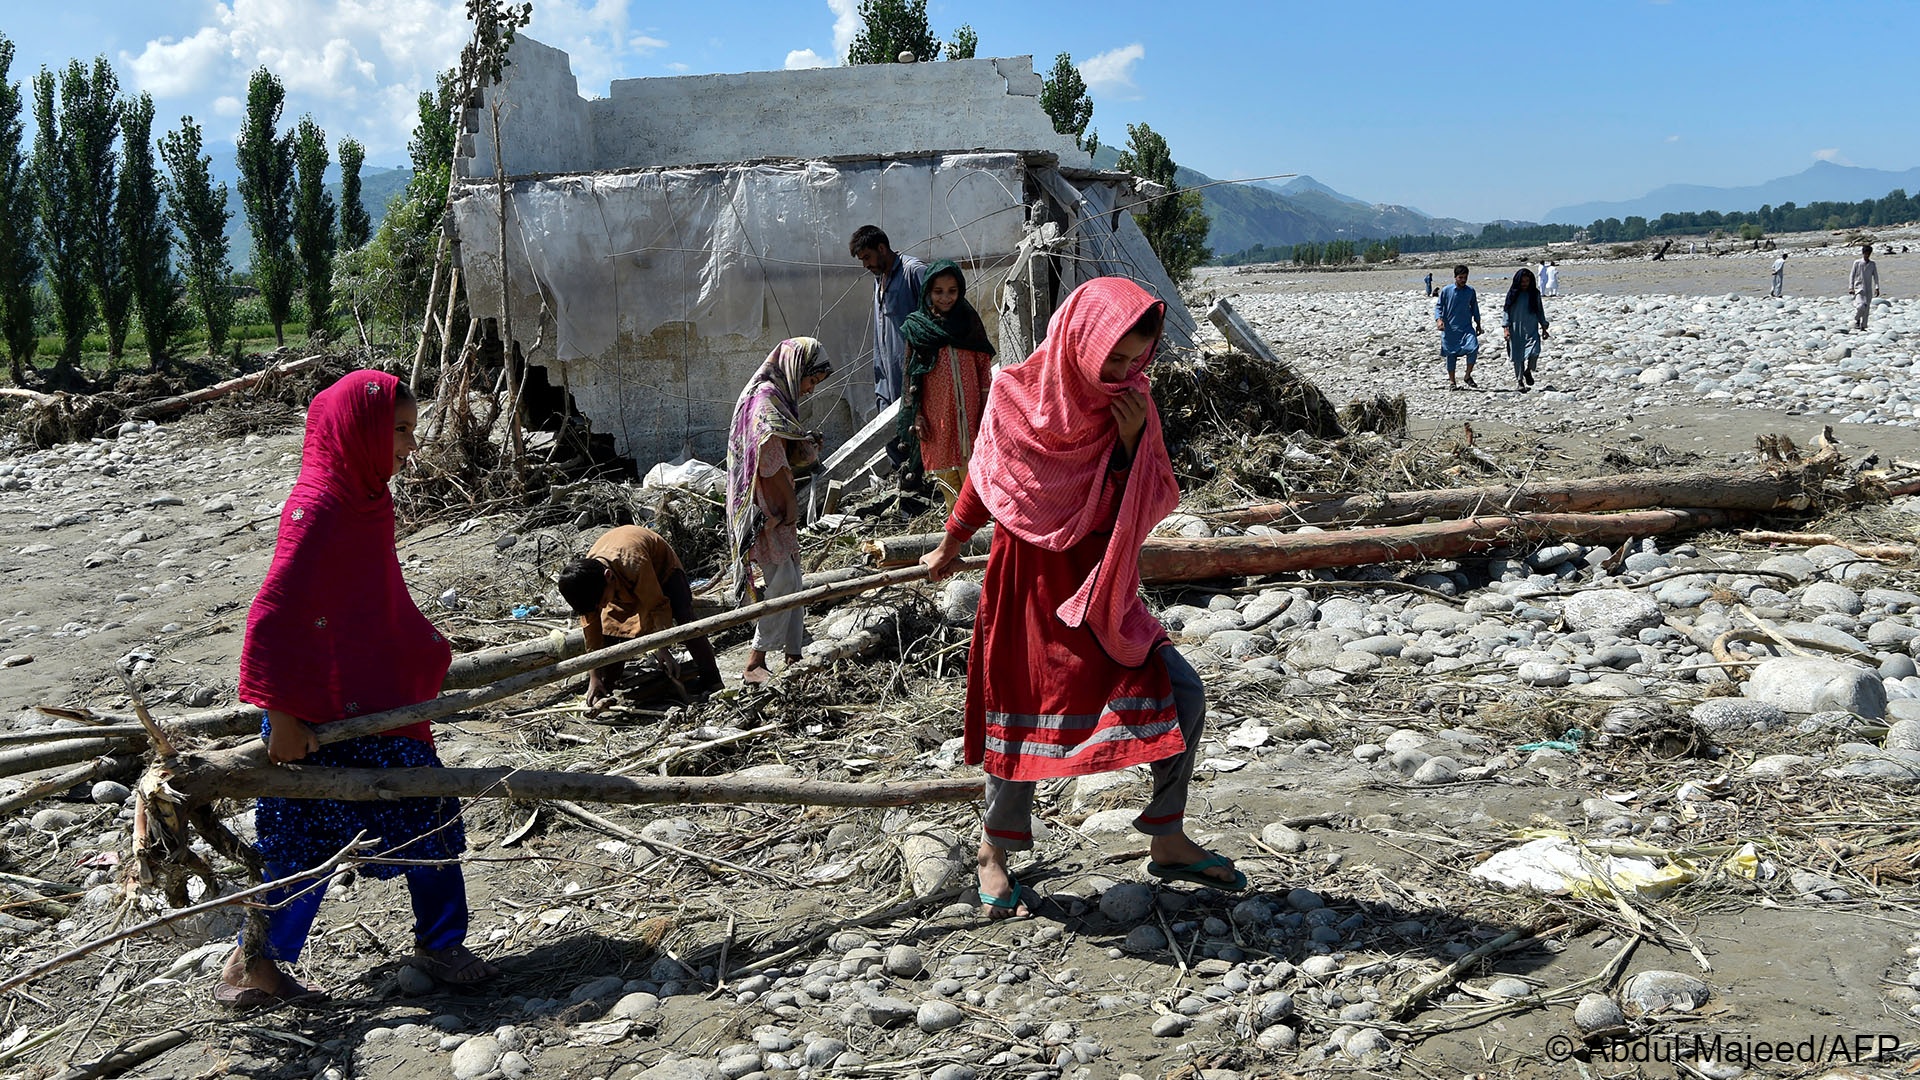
(300, 833)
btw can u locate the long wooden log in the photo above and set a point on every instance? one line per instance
(1167, 560)
(469, 670)
(457, 701)
(208, 776)
(1171, 559)
(1756, 490)
(153, 410)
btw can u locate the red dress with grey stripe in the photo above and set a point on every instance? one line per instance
(1052, 702)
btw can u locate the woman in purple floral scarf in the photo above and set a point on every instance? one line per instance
(764, 444)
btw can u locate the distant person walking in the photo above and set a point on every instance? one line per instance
(1863, 284)
(1429, 286)
(1550, 278)
(896, 293)
(1456, 313)
(1780, 275)
(1524, 324)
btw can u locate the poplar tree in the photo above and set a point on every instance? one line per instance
(19, 265)
(266, 194)
(1174, 224)
(58, 238)
(1063, 93)
(199, 212)
(356, 225)
(889, 28)
(146, 235)
(313, 221)
(964, 45)
(89, 125)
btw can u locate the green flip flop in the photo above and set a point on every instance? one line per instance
(1196, 873)
(1008, 904)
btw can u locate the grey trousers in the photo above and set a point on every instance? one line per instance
(1009, 803)
(783, 631)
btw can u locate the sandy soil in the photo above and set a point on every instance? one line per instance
(571, 904)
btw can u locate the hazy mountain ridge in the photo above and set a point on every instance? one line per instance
(1302, 210)
(1822, 181)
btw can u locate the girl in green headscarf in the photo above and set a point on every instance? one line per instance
(949, 366)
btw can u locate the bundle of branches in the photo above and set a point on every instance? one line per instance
(1232, 393)
(46, 420)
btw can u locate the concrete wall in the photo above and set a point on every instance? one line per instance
(544, 122)
(873, 110)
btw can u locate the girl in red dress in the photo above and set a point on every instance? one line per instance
(1069, 673)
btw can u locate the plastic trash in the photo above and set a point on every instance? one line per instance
(523, 611)
(1568, 744)
(692, 474)
(1559, 865)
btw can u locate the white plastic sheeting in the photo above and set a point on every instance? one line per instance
(661, 291)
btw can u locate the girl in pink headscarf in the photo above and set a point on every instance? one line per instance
(1069, 672)
(334, 633)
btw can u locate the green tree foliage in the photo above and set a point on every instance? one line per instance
(19, 264)
(1174, 224)
(1063, 93)
(200, 213)
(266, 194)
(313, 215)
(58, 239)
(145, 235)
(889, 28)
(356, 226)
(1380, 251)
(964, 44)
(89, 126)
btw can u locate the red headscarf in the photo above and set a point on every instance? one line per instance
(333, 632)
(1043, 452)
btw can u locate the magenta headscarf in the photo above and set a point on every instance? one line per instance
(333, 632)
(1043, 450)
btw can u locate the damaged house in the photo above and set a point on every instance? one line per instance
(656, 244)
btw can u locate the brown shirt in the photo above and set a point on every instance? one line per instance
(637, 561)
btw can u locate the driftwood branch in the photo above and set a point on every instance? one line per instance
(1166, 560)
(217, 776)
(126, 1057)
(1887, 552)
(1756, 490)
(153, 410)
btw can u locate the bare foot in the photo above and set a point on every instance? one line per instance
(754, 676)
(997, 881)
(1180, 850)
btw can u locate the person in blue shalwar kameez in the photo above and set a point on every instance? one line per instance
(1457, 315)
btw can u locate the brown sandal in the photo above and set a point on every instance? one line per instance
(289, 991)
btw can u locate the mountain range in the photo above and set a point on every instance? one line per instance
(1822, 181)
(1301, 210)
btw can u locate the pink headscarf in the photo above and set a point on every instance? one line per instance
(1043, 453)
(333, 632)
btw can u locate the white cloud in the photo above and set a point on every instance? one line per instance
(168, 68)
(1832, 154)
(806, 58)
(846, 23)
(1673, 138)
(355, 65)
(1110, 74)
(359, 65)
(679, 68)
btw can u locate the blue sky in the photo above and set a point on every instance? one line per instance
(1464, 109)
